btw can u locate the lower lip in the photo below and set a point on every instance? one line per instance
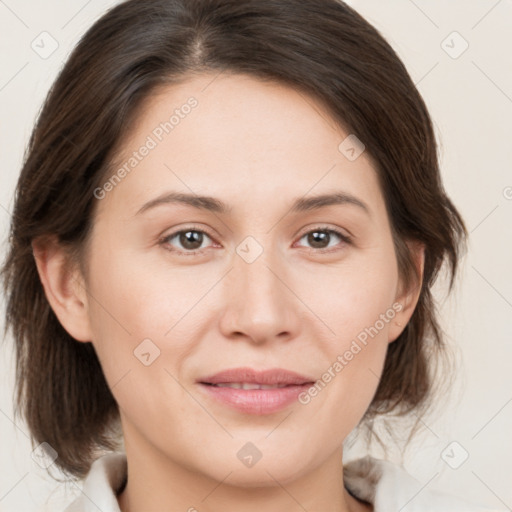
(256, 401)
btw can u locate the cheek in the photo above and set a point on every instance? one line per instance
(133, 309)
(353, 296)
(139, 309)
(128, 309)
(133, 297)
(358, 306)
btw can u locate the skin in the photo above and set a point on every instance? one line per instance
(257, 147)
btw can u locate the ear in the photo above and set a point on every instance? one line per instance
(407, 299)
(63, 286)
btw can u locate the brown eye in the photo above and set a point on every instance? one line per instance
(189, 240)
(321, 238)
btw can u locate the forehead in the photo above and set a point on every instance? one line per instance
(237, 137)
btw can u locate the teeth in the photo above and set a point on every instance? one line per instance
(247, 385)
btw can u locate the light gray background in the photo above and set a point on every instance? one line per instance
(470, 99)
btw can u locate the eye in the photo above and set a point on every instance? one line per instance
(320, 237)
(191, 241)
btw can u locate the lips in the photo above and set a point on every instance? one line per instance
(251, 391)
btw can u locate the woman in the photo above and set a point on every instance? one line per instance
(225, 235)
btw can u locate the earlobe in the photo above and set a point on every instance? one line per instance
(407, 299)
(63, 287)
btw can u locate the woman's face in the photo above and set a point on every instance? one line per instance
(250, 286)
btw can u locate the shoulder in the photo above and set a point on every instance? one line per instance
(105, 478)
(388, 486)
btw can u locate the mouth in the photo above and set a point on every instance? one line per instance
(255, 392)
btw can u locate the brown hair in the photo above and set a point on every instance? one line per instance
(322, 48)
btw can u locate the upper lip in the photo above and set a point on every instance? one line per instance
(277, 376)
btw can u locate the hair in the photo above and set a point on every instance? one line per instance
(322, 48)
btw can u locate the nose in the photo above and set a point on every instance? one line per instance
(260, 304)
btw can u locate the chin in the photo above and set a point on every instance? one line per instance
(265, 472)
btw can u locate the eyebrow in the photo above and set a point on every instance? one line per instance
(215, 205)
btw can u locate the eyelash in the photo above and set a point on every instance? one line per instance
(323, 229)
